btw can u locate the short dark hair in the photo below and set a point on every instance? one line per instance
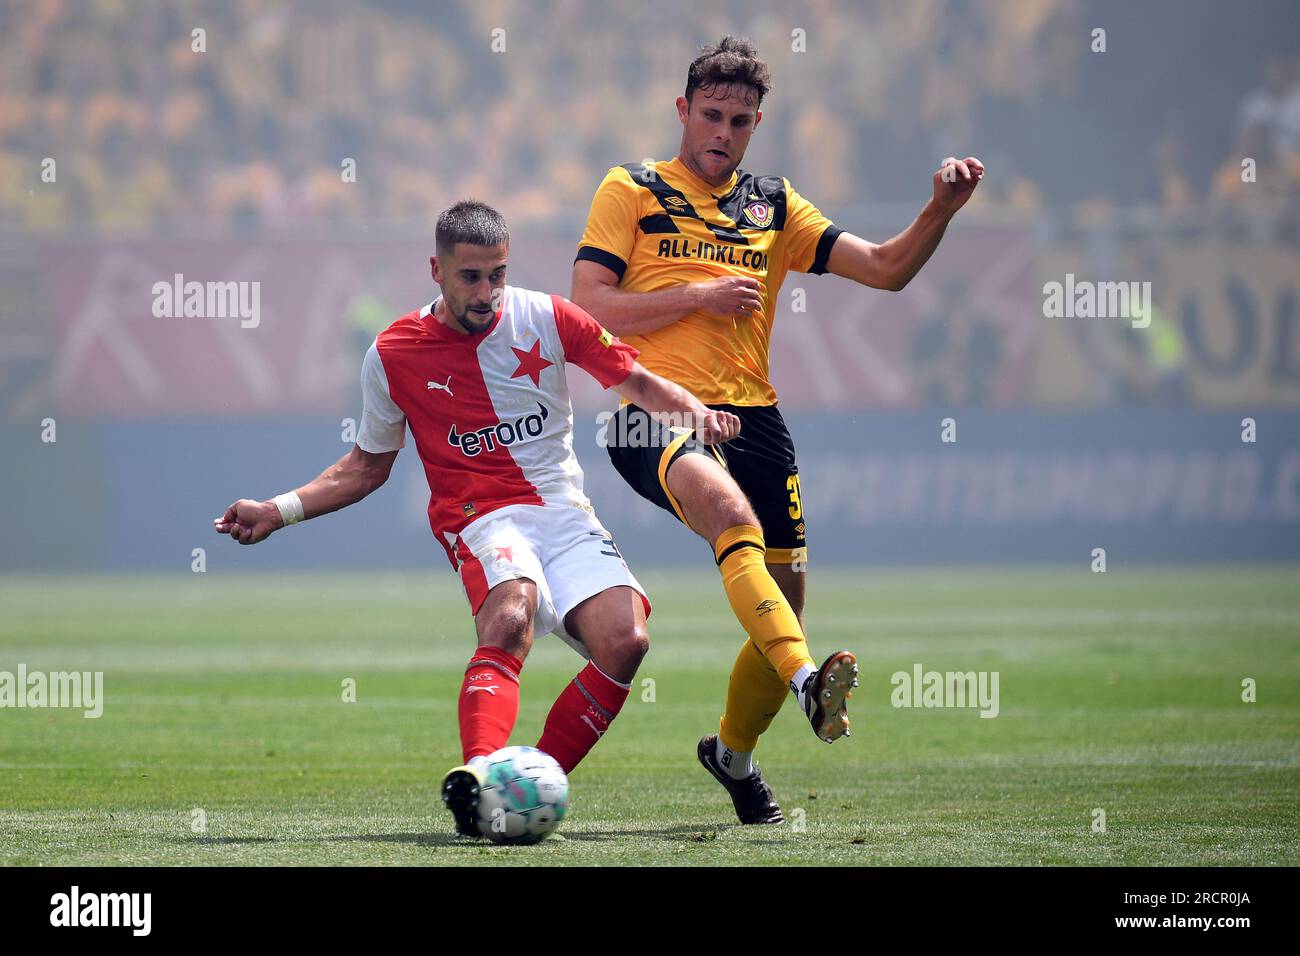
(730, 60)
(470, 221)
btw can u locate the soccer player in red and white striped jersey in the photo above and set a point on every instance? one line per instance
(478, 376)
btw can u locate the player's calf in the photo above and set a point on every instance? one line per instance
(489, 695)
(714, 506)
(489, 701)
(581, 715)
(611, 625)
(488, 705)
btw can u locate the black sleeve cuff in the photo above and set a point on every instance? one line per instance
(607, 259)
(824, 244)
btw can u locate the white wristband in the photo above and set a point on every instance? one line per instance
(290, 506)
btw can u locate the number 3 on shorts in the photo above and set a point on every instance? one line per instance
(796, 506)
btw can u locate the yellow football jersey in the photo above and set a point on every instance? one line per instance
(658, 225)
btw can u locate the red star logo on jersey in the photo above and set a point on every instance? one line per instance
(505, 554)
(531, 362)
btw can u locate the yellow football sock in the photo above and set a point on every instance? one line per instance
(757, 601)
(754, 695)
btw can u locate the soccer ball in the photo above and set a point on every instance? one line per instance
(524, 796)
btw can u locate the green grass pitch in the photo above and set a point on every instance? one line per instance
(1119, 691)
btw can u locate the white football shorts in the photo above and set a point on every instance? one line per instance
(562, 548)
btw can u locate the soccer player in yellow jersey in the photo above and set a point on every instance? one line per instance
(684, 260)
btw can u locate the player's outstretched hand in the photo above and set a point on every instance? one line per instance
(730, 295)
(249, 521)
(714, 427)
(955, 181)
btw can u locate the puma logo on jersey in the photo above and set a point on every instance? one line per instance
(502, 433)
(490, 688)
(446, 388)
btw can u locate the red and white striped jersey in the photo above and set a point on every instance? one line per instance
(490, 413)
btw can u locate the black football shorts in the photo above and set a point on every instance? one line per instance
(760, 459)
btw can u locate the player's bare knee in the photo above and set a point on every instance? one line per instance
(734, 509)
(623, 653)
(637, 645)
(726, 508)
(510, 629)
(625, 656)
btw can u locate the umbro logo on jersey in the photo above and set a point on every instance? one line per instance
(445, 388)
(767, 607)
(677, 202)
(502, 433)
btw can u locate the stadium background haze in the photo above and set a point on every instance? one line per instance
(1104, 510)
(309, 152)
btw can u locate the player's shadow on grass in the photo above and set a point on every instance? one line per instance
(682, 834)
(419, 839)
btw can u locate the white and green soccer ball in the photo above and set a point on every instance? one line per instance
(524, 796)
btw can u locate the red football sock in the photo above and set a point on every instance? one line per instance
(581, 715)
(489, 701)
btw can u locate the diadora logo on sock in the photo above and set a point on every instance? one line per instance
(502, 433)
(767, 606)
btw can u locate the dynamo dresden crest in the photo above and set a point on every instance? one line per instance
(759, 213)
